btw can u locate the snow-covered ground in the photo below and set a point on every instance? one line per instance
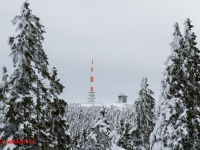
(119, 105)
(114, 147)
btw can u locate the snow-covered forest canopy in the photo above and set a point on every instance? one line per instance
(33, 115)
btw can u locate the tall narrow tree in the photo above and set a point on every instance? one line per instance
(177, 123)
(3, 99)
(191, 97)
(35, 109)
(144, 117)
(125, 140)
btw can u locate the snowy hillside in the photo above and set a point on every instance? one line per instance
(118, 105)
(113, 125)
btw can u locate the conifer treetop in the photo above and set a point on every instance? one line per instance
(26, 46)
(29, 59)
(189, 35)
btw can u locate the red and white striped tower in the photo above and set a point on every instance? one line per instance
(91, 93)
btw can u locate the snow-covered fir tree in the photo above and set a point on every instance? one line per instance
(191, 96)
(4, 85)
(144, 117)
(168, 133)
(56, 108)
(125, 133)
(177, 125)
(36, 112)
(84, 136)
(115, 136)
(3, 98)
(191, 66)
(99, 138)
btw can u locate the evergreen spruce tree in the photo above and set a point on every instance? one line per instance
(125, 140)
(56, 114)
(84, 136)
(177, 125)
(4, 85)
(36, 112)
(99, 139)
(191, 97)
(144, 117)
(3, 98)
(170, 124)
(114, 135)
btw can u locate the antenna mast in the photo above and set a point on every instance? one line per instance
(91, 96)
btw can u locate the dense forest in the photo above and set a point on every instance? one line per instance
(99, 127)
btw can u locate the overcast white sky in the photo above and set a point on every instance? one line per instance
(128, 40)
